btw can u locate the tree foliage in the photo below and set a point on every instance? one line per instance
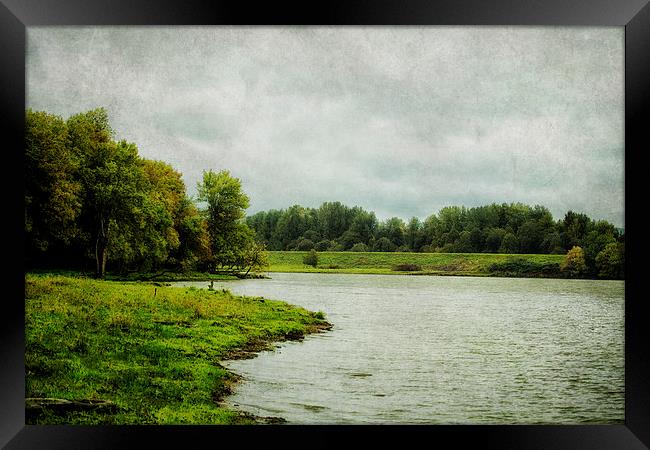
(52, 189)
(91, 198)
(496, 228)
(574, 262)
(610, 261)
(311, 258)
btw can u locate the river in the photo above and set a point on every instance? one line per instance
(440, 350)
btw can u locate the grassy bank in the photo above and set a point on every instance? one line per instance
(475, 264)
(139, 353)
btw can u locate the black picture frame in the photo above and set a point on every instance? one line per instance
(634, 15)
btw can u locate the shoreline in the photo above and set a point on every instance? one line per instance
(249, 351)
(379, 271)
(498, 265)
(152, 353)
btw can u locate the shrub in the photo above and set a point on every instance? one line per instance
(322, 246)
(610, 261)
(384, 245)
(304, 244)
(359, 247)
(311, 258)
(520, 266)
(574, 262)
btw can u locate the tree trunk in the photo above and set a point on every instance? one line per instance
(101, 252)
(100, 257)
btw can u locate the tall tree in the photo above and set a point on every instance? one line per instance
(153, 231)
(194, 248)
(112, 179)
(413, 235)
(226, 206)
(52, 188)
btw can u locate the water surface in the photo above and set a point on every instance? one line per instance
(441, 350)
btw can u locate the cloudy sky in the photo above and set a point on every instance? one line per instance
(399, 120)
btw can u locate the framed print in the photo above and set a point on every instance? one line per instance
(443, 193)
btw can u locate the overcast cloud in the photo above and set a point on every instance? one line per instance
(399, 120)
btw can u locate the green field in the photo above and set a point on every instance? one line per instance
(143, 353)
(475, 264)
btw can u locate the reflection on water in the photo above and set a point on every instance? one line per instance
(441, 350)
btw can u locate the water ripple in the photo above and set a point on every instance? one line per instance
(454, 350)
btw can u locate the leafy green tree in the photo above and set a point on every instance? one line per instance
(364, 224)
(312, 235)
(383, 244)
(509, 244)
(272, 218)
(477, 240)
(154, 229)
(574, 228)
(113, 185)
(414, 236)
(602, 233)
(359, 247)
(610, 262)
(311, 258)
(333, 219)
(226, 206)
(304, 244)
(349, 238)
(493, 239)
(336, 246)
(194, 249)
(112, 180)
(52, 189)
(431, 232)
(254, 256)
(323, 245)
(530, 236)
(574, 262)
(291, 225)
(393, 230)
(464, 243)
(552, 242)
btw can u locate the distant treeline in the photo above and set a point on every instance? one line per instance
(494, 228)
(91, 201)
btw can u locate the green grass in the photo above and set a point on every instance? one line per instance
(153, 351)
(475, 264)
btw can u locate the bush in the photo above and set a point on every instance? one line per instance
(574, 262)
(359, 247)
(311, 258)
(384, 245)
(322, 246)
(610, 261)
(520, 266)
(304, 244)
(406, 268)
